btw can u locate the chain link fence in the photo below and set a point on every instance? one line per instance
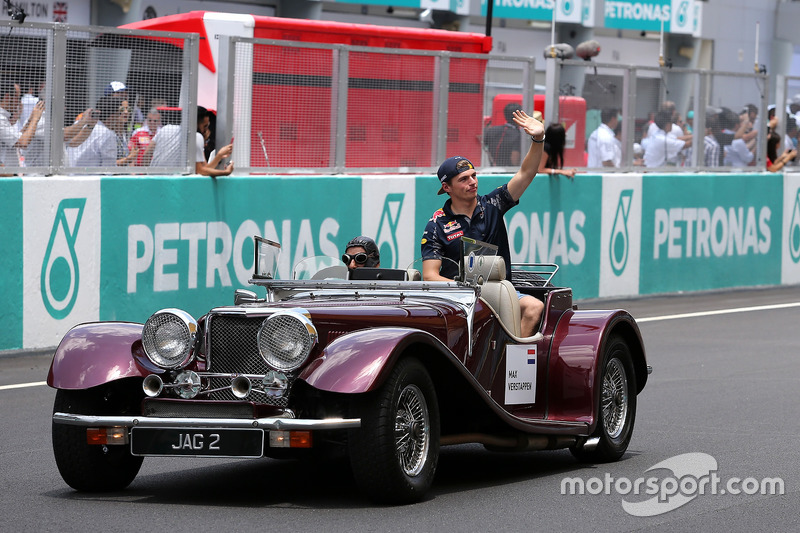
(91, 100)
(665, 119)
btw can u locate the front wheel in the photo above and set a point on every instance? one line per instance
(395, 452)
(617, 411)
(90, 467)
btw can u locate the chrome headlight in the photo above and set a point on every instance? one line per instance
(168, 337)
(285, 340)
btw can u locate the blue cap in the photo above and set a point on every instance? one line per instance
(452, 167)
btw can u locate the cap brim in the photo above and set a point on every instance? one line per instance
(441, 190)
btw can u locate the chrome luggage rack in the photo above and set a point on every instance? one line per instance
(533, 274)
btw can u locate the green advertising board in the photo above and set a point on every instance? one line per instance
(11, 281)
(703, 231)
(84, 249)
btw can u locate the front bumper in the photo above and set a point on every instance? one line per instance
(269, 423)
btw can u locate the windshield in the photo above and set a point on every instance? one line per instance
(266, 258)
(319, 267)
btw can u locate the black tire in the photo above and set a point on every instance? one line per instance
(89, 467)
(395, 452)
(617, 409)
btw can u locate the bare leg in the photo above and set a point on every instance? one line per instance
(531, 309)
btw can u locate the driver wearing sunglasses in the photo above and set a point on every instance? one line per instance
(361, 252)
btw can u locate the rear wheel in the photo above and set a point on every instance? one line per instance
(395, 452)
(617, 411)
(90, 467)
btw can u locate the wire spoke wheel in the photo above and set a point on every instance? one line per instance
(616, 411)
(395, 451)
(614, 402)
(412, 430)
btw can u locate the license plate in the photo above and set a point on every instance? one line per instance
(198, 442)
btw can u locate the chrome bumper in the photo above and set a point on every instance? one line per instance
(282, 424)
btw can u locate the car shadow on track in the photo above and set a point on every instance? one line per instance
(259, 483)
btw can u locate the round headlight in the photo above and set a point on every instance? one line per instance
(285, 340)
(168, 337)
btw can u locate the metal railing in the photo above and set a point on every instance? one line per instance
(97, 86)
(307, 107)
(639, 93)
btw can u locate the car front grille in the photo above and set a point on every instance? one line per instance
(233, 349)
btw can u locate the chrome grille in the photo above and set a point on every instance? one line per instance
(233, 349)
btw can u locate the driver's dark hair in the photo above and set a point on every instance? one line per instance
(373, 255)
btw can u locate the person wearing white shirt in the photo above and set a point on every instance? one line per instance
(660, 147)
(602, 145)
(101, 148)
(12, 137)
(166, 146)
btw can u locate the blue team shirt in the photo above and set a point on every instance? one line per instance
(442, 237)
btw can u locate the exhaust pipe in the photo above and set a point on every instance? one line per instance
(152, 385)
(240, 385)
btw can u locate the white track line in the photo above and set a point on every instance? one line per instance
(719, 312)
(23, 385)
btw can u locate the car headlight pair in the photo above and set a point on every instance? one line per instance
(285, 339)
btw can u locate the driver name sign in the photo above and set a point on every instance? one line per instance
(520, 374)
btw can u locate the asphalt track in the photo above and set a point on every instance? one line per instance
(721, 406)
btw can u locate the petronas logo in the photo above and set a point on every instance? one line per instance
(60, 273)
(620, 243)
(794, 229)
(387, 229)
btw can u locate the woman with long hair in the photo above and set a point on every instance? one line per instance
(776, 162)
(552, 162)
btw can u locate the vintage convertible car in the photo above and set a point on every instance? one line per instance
(373, 363)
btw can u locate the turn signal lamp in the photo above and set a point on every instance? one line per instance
(114, 435)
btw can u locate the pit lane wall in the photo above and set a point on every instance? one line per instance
(81, 249)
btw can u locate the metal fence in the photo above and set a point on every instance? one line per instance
(700, 130)
(77, 100)
(786, 122)
(296, 107)
(306, 107)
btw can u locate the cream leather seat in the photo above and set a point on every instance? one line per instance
(501, 296)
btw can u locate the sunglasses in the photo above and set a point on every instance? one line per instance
(360, 258)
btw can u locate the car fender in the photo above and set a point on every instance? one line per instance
(359, 361)
(99, 352)
(575, 359)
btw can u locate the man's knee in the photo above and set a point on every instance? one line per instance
(531, 307)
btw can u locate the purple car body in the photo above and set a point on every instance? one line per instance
(385, 371)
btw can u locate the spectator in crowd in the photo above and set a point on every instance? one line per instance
(673, 129)
(661, 146)
(141, 137)
(711, 147)
(165, 147)
(12, 137)
(776, 162)
(552, 161)
(736, 151)
(105, 145)
(35, 155)
(360, 252)
(689, 127)
(602, 146)
(752, 118)
(503, 142)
